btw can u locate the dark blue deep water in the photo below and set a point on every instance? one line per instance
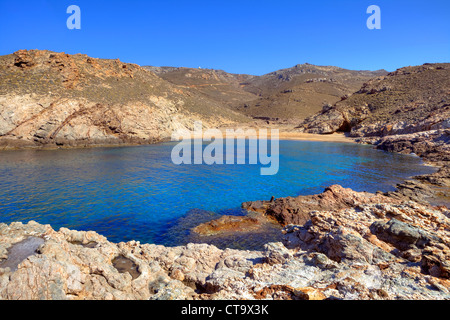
(137, 193)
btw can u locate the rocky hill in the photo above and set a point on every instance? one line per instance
(56, 99)
(220, 86)
(287, 94)
(298, 92)
(411, 99)
(49, 98)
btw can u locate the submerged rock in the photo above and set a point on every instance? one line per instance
(227, 224)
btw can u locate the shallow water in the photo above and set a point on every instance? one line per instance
(137, 193)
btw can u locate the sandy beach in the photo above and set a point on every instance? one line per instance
(287, 135)
(335, 137)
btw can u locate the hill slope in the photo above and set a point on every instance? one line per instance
(49, 98)
(287, 94)
(218, 85)
(302, 90)
(411, 99)
(406, 111)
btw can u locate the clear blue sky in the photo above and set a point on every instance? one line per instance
(245, 36)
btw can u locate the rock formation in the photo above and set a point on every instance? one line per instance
(56, 99)
(409, 100)
(372, 250)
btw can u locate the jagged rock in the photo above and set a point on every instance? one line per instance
(80, 265)
(401, 234)
(275, 253)
(297, 210)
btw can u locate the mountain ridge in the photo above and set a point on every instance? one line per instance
(285, 94)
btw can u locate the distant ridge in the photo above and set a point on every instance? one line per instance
(286, 94)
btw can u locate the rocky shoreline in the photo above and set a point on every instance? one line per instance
(340, 244)
(380, 248)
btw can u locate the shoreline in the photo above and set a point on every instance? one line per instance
(300, 136)
(283, 135)
(363, 257)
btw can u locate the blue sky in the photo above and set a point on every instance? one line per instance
(247, 36)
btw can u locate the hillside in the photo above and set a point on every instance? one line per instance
(298, 92)
(49, 98)
(411, 99)
(406, 111)
(287, 94)
(218, 85)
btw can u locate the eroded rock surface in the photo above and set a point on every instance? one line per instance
(59, 100)
(406, 111)
(370, 250)
(296, 210)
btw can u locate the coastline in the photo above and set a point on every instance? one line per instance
(7, 145)
(355, 246)
(334, 137)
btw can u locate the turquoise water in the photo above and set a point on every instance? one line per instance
(136, 193)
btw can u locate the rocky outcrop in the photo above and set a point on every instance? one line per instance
(56, 99)
(296, 210)
(434, 147)
(228, 224)
(368, 251)
(409, 100)
(405, 111)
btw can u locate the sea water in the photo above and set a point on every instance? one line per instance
(137, 193)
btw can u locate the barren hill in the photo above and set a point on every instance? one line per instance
(292, 93)
(411, 99)
(298, 92)
(49, 98)
(218, 85)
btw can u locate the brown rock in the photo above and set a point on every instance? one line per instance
(297, 210)
(227, 224)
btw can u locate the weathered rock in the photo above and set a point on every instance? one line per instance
(297, 210)
(60, 100)
(402, 235)
(406, 111)
(68, 265)
(275, 253)
(409, 100)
